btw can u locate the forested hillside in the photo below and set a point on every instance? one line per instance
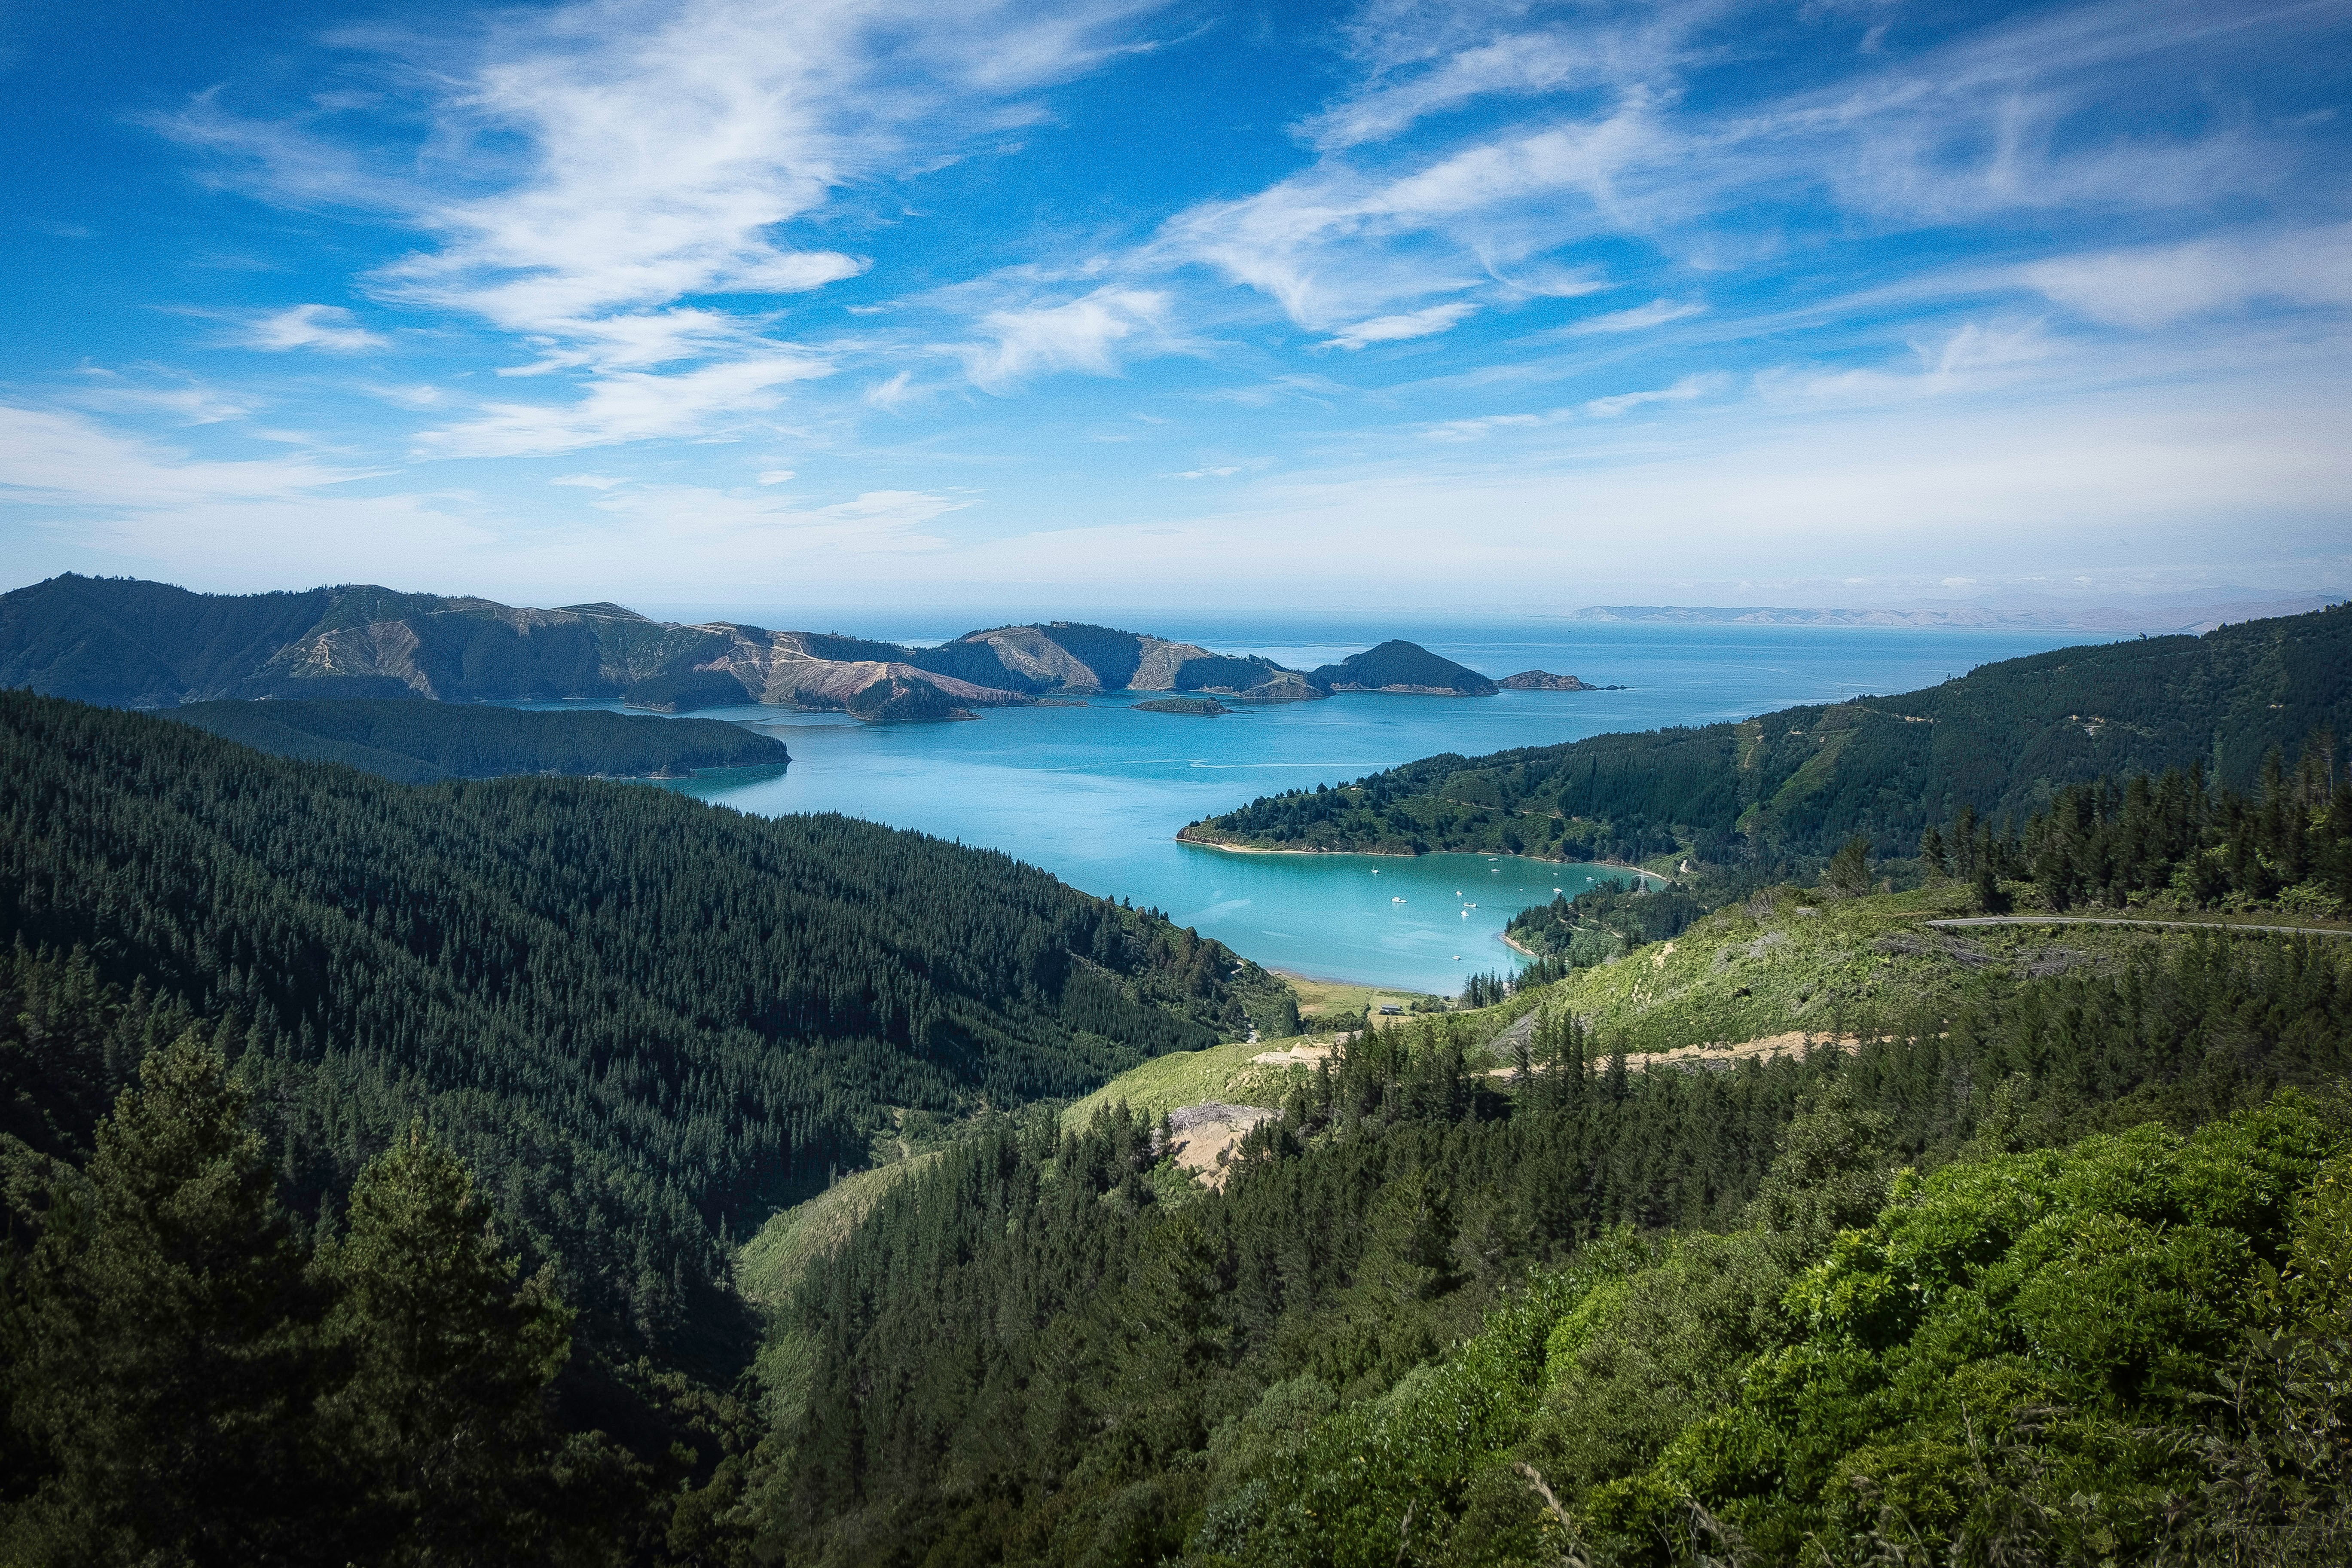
(1985, 1245)
(418, 743)
(1290, 1369)
(646, 1020)
(133, 644)
(188, 1376)
(2000, 741)
(1813, 1232)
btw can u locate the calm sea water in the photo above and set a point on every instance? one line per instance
(1094, 794)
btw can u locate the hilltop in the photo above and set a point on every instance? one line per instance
(1399, 666)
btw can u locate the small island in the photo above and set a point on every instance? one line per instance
(1399, 666)
(1545, 680)
(1201, 707)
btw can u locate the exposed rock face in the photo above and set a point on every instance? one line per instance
(1284, 687)
(831, 682)
(1543, 681)
(1157, 669)
(1029, 651)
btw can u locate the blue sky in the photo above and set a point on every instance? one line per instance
(1077, 302)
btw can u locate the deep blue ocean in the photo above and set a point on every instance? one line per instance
(1094, 794)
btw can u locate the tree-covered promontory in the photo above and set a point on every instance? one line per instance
(2001, 741)
(415, 741)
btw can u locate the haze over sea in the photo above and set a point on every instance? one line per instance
(1096, 794)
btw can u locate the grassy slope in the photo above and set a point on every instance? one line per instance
(1789, 960)
(1191, 1078)
(1322, 998)
(1228, 1073)
(1793, 960)
(771, 1266)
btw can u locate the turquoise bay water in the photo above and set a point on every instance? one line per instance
(1095, 794)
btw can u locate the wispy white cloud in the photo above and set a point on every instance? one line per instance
(1683, 391)
(66, 460)
(894, 393)
(179, 399)
(1395, 329)
(1420, 57)
(2154, 286)
(763, 532)
(328, 327)
(1611, 147)
(1339, 240)
(1083, 334)
(606, 180)
(1974, 358)
(1656, 313)
(1706, 383)
(629, 406)
(160, 505)
(1487, 424)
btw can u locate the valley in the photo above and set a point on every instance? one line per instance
(1383, 783)
(891, 1199)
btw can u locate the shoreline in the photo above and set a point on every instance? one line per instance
(1409, 854)
(1352, 984)
(1260, 849)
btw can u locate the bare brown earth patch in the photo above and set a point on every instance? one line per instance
(1771, 1047)
(1298, 1055)
(1201, 1137)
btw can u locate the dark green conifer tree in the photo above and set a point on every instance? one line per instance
(1848, 875)
(165, 1341)
(441, 1362)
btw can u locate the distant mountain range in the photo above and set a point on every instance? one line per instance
(132, 644)
(2196, 619)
